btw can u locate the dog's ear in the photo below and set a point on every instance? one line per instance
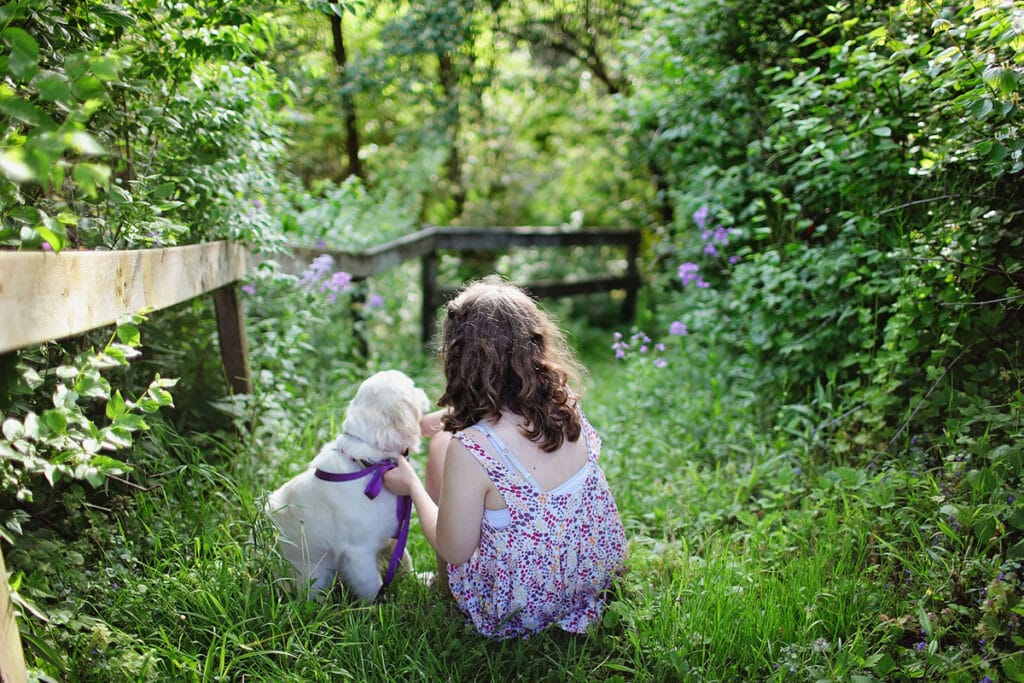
(403, 415)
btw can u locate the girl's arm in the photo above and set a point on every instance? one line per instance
(451, 526)
(461, 507)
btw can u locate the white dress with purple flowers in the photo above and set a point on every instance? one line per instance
(551, 558)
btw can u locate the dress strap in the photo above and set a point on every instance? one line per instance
(495, 468)
(508, 458)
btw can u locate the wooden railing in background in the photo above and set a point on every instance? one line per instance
(46, 296)
(426, 244)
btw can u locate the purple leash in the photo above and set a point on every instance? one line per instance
(403, 507)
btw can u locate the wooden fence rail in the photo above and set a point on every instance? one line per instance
(46, 296)
(428, 242)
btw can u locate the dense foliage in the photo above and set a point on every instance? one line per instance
(815, 424)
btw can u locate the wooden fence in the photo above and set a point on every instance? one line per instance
(46, 296)
(426, 244)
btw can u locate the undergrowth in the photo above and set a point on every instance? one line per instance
(753, 556)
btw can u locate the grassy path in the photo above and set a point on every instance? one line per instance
(750, 560)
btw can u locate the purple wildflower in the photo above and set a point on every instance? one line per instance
(678, 329)
(620, 346)
(317, 270)
(660, 362)
(733, 260)
(688, 274)
(700, 216)
(710, 250)
(375, 301)
(338, 282)
(47, 246)
(249, 288)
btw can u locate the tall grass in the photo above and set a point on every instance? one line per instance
(748, 561)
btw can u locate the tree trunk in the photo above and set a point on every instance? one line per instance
(348, 103)
(449, 83)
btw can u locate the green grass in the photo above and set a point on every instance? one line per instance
(748, 561)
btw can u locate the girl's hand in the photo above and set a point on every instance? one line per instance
(401, 480)
(430, 423)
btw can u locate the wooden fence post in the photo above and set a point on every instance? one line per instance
(633, 276)
(234, 347)
(428, 281)
(12, 657)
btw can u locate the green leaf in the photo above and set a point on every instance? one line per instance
(52, 87)
(14, 168)
(54, 421)
(55, 239)
(66, 372)
(83, 143)
(882, 131)
(109, 465)
(132, 423)
(981, 108)
(91, 177)
(104, 68)
(112, 15)
(116, 405)
(23, 111)
(129, 334)
(1001, 79)
(23, 62)
(13, 429)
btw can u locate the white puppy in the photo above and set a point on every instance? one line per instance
(332, 528)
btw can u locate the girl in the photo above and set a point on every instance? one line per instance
(515, 502)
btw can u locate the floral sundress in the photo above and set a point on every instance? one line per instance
(554, 560)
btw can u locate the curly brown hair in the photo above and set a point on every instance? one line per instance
(501, 351)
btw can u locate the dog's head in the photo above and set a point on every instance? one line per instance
(383, 418)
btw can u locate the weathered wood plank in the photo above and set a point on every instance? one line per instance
(362, 264)
(500, 239)
(12, 657)
(428, 285)
(234, 345)
(46, 296)
(554, 289)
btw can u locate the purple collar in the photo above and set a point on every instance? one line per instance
(403, 507)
